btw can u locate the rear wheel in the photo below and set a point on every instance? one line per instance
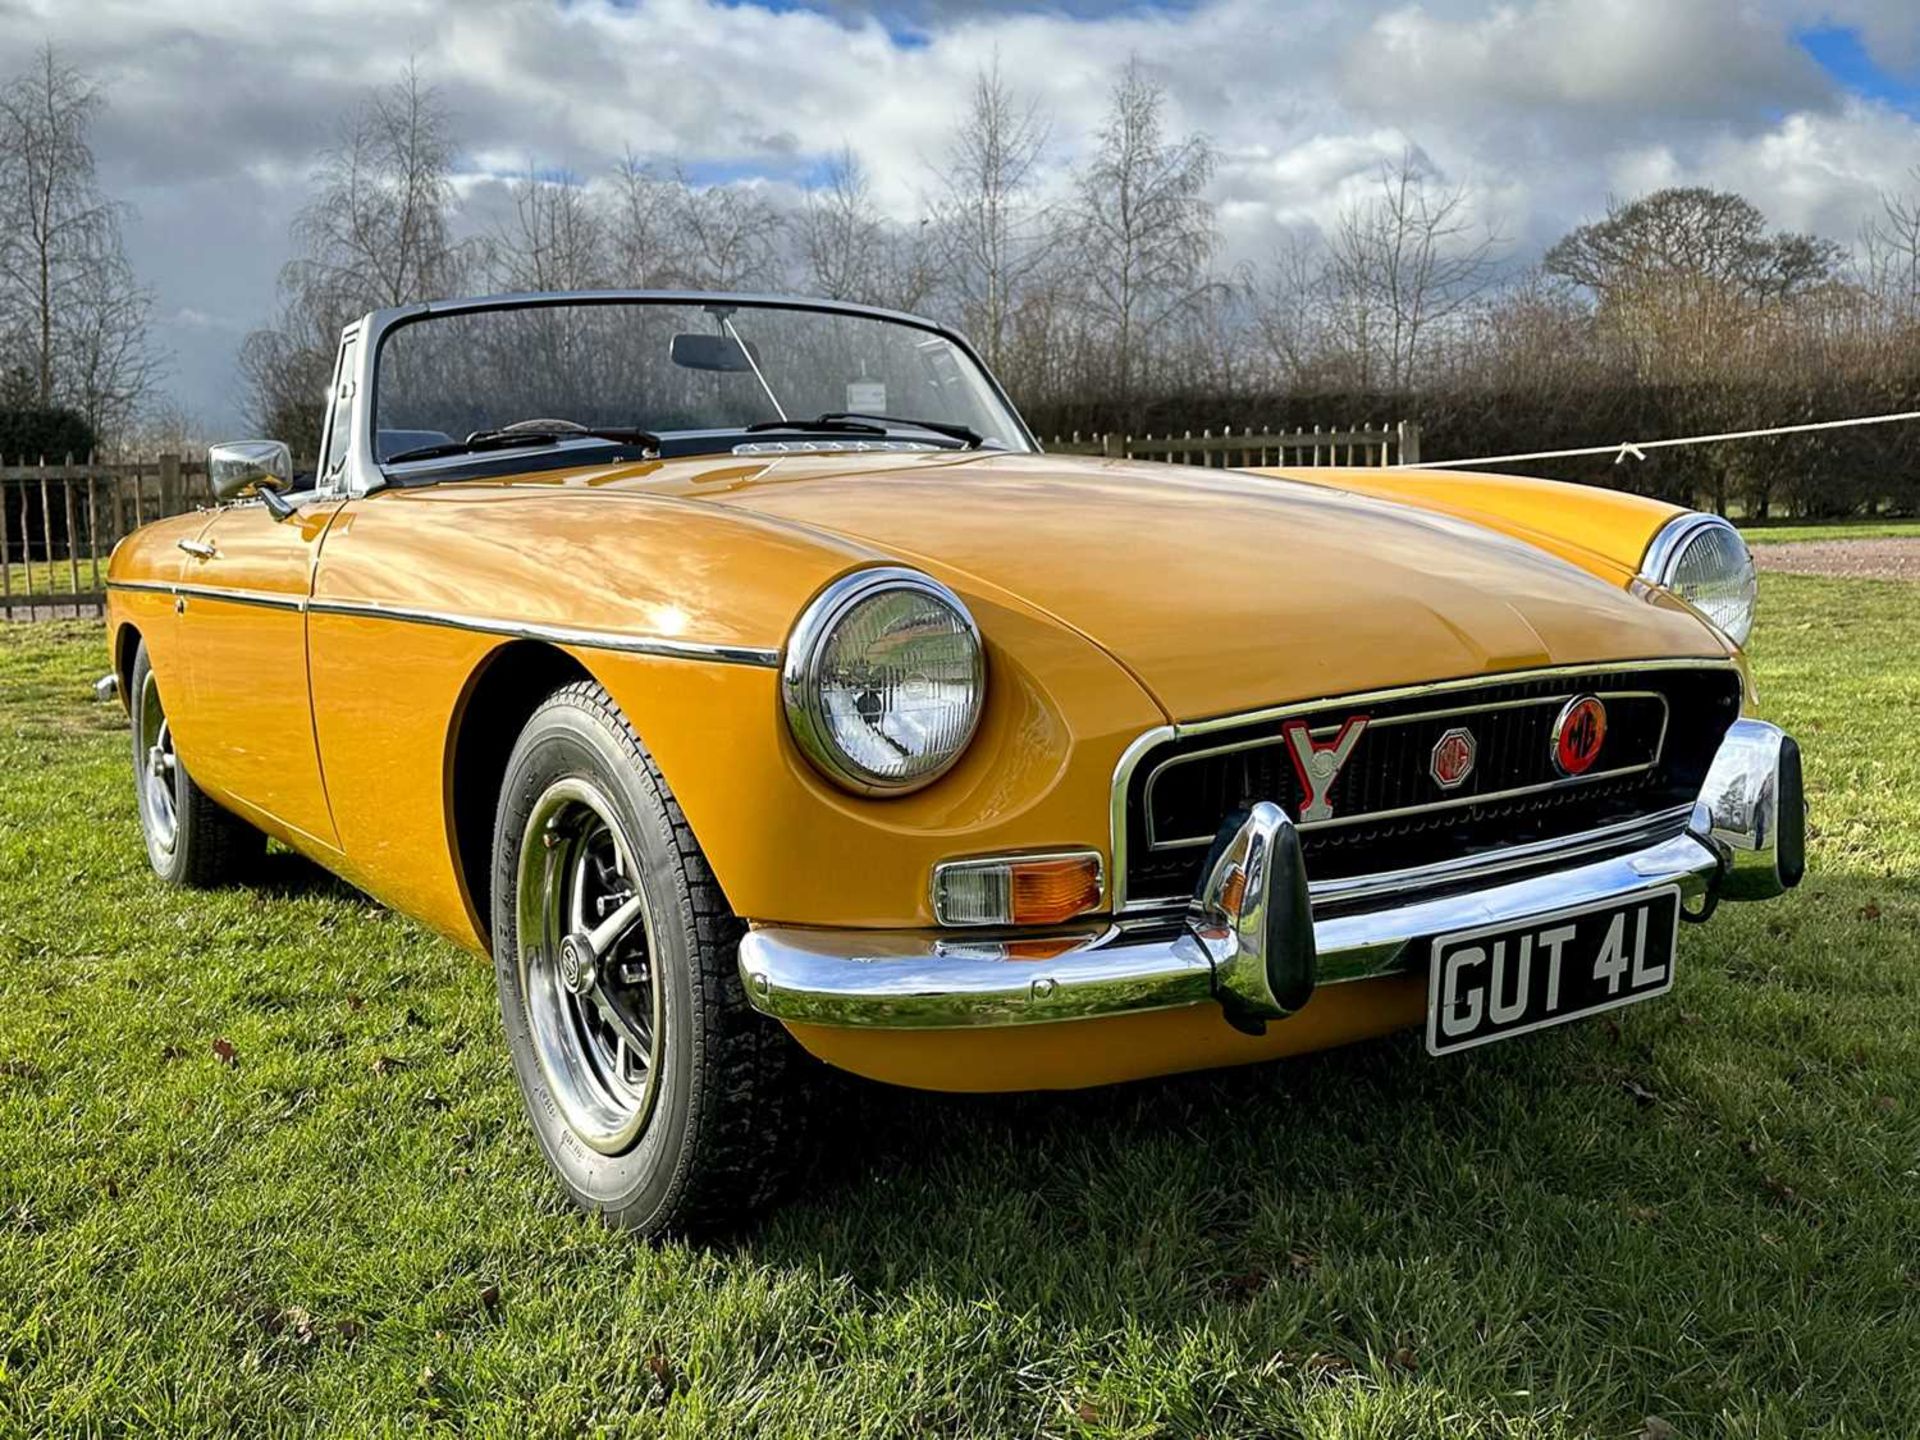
(190, 839)
(662, 1101)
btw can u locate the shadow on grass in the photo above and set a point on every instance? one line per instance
(288, 875)
(1169, 1203)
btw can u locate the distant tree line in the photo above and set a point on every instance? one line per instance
(1096, 289)
(1099, 295)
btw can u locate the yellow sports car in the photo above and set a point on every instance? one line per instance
(737, 672)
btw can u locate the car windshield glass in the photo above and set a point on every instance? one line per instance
(671, 367)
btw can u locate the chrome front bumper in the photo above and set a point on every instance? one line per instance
(1254, 944)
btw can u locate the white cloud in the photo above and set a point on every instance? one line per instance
(1539, 107)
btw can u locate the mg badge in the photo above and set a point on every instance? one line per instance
(1452, 760)
(1578, 734)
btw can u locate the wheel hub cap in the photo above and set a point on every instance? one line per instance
(576, 965)
(585, 938)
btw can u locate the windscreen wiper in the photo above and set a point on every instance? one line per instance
(832, 424)
(965, 434)
(512, 439)
(855, 422)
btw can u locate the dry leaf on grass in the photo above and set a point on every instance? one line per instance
(225, 1053)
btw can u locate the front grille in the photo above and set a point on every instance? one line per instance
(1388, 811)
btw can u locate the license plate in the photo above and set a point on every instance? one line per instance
(1504, 980)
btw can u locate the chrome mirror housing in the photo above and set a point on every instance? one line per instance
(242, 469)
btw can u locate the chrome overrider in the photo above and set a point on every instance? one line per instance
(1251, 940)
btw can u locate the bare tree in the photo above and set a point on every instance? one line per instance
(1889, 256)
(986, 223)
(725, 237)
(1144, 225)
(843, 241)
(640, 225)
(557, 241)
(377, 232)
(68, 297)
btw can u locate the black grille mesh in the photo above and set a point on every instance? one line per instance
(1389, 770)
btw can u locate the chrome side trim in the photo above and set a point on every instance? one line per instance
(554, 634)
(1130, 757)
(902, 980)
(1561, 782)
(266, 598)
(512, 629)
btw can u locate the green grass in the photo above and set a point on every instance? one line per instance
(1706, 1211)
(56, 578)
(1767, 533)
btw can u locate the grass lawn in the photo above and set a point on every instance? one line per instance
(1706, 1211)
(1771, 534)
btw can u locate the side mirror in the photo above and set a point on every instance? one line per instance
(244, 469)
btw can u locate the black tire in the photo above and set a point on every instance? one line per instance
(190, 839)
(716, 1127)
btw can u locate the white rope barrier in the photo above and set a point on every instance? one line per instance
(1637, 448)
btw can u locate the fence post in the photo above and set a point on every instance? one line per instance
(172, 501)
(6, 554)
(73, 534)
(46, 529)
(1107, 447)
(1409, 442)
(93, 532)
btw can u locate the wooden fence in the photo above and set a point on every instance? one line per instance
(1240, 449)
(59, 523)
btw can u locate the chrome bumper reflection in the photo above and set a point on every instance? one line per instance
(1744, 842)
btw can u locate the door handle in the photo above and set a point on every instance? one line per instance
(199, 549)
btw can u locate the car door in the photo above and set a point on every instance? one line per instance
(244, 631)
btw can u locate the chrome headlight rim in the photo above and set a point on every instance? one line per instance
(800, 690)
(1670, 546)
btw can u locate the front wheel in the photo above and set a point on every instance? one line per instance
(190, 839)
(662, 1101)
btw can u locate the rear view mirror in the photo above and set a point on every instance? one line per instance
(241, 469)
(711, 352)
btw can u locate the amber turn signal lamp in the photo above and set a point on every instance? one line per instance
(1017, 889)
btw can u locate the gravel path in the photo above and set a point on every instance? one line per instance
(1857, 559)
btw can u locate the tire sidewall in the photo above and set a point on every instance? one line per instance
(169, 865)
(566, 739)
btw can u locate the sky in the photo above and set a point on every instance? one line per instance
(1540, 109)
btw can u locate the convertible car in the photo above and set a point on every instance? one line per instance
(739, 676)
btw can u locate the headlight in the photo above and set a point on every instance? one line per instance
(884, 680)
(1703, 560)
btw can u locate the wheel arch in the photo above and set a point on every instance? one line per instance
(500, 696)
(126, 645)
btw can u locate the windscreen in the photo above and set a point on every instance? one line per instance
(667, 367)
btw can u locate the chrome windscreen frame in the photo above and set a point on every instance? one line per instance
(1400, 882)
(364, 473)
